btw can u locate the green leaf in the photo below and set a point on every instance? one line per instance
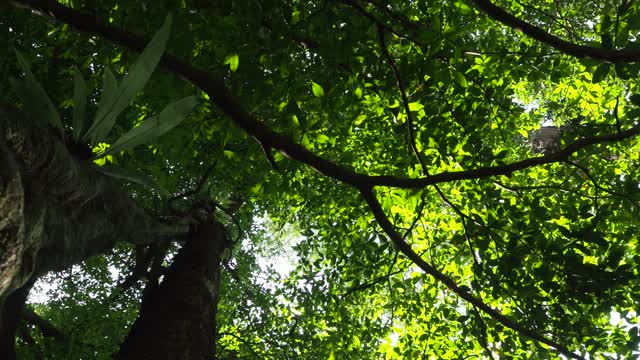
(318, 91)
(607, 41)
(460, 79)
(464, 8)
(601, 72)
(625, 71)
(295, 17)
(154, 127)
(233, 61)
(502, 154)
(359, 119)
(36, 101)
(109, 94)
(322, 138)
(605, 23)
(131, 84)
(415, 106)
(117, 172)
(21, 89)
(294, 119)
(80, 95)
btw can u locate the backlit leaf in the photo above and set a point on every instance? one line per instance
(318, 91)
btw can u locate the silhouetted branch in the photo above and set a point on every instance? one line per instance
(405, 22)
(370, 284)
(265, 135)
(199, 185)
(406, 249)
(354, 4)
(47, 328)
(403, 94)
(580, 51)
(587, 173)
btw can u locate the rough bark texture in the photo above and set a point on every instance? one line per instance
(54, 209)
(177, 317)
(12, 243)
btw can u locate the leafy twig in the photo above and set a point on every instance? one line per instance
(580, 51)
(217, 91)
(406, 249)
(199, 185)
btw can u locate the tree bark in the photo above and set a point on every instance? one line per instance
(177, 316)
(54, 209)
(10, 316)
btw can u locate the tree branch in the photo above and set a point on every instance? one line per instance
(508, 169)
(47, 328)
(406, 249)
(380, 23)
(403, 95)
(579, 51)
(216, 89)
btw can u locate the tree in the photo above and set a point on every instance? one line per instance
(397, 143)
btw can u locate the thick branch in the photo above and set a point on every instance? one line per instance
(508, 169)
(216, 89)
(580, 51)
(406, 249)
(47, 328)
(59, 212)
(178, 316)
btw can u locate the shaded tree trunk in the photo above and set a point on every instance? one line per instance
(10, 317)
(177, 317)
(56, 210)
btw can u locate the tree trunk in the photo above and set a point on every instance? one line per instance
(177, 317)
(10, 316)
(56, 210)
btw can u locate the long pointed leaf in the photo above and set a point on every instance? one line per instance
(133, 82)
(80, 95)
(155, 126)
(109, 94)
(21, 89)
(37, 102)
(129, 175)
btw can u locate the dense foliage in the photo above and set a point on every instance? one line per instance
(452, 94)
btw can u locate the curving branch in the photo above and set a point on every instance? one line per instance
(581, 51)
(359, 8)
(599, 187)
(403, 94)
(46, 327)
(508, 169)
(402, 20)
(406, 249)
(269, 138)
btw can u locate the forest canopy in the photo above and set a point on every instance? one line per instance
(337, 179)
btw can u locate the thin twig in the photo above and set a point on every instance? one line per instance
(199, 185)
(406, 249)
